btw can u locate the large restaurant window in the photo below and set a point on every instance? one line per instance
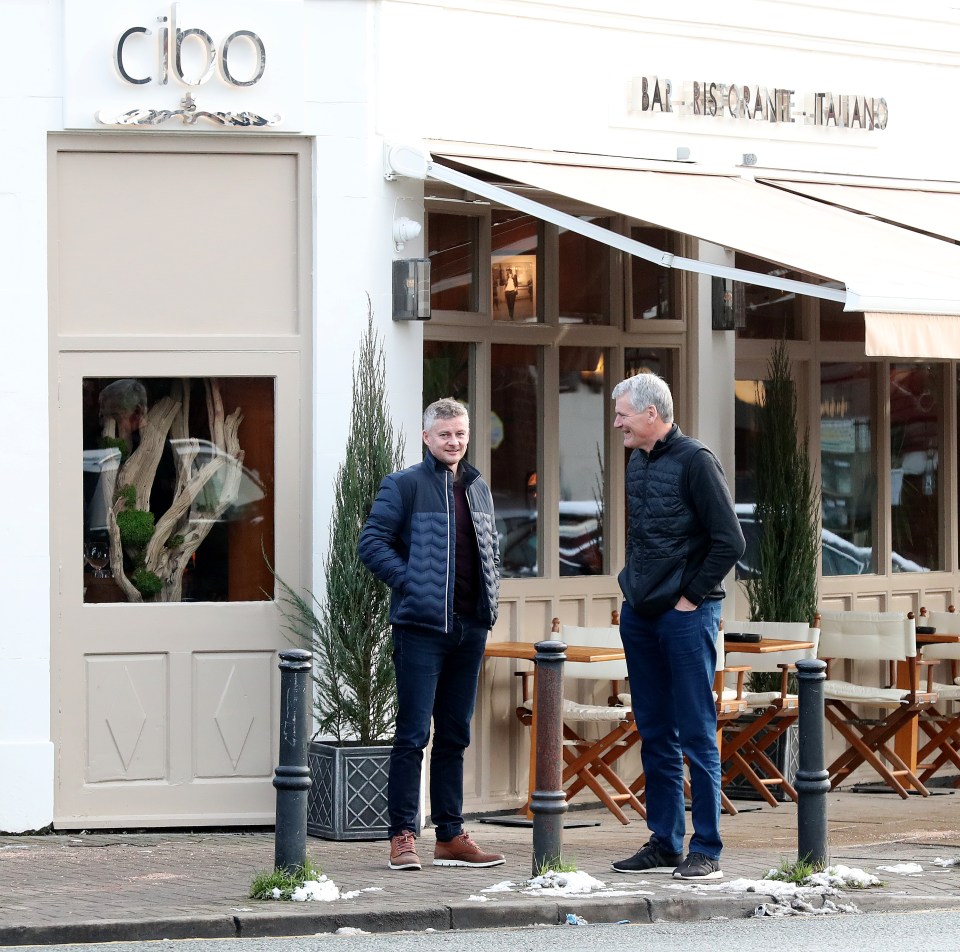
(849, 486)
(453, 254)
(178, 478)
(515, 267)
(584, 277)
(769, 313)
(446, 371)
(581, 444)
(916, 500)
(515, 390)
(653, 286)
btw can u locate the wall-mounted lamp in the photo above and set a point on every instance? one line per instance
(728, 312)
(404, 230)
(411, 289)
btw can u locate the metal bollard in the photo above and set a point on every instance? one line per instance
(548, 803)
(813, 781)
(292, 776)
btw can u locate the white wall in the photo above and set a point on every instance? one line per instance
(503, 73)
(28, 83)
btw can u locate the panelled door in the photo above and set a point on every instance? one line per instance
(180, 312)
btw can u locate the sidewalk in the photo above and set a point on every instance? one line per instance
(81, 887)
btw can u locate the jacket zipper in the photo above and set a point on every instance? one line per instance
(448, 492)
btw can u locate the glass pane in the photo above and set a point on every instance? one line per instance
(770, 314)
(581, 461)
(452, 250)
(584, 277)
(178, 479)
(916, 405)
(446, 371)
(849, 486)
(837, 324)
(747, 396)
(514, 451)
(652, 287)
(515, 243)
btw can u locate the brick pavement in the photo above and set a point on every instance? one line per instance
(85, 886)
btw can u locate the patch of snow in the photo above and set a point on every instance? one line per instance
(348, 930)
(317, 890)
(955, 861)
(903, 869)
(563, 884)
(478, 899)
(505, 886)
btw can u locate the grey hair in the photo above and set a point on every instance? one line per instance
(444, 409)
(123, 397)
(647, 390)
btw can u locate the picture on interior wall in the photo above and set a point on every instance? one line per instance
(514, 282)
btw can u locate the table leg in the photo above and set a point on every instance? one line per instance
(905, 742)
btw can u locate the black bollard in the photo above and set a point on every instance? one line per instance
(292, 776)
(813, 781)
(548, 803)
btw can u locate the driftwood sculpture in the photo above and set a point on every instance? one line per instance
(201, 496)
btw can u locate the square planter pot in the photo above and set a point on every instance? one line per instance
(348, 791)
(785, 754)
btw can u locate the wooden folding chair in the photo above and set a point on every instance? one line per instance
(588, 761)
(939, 723)
(748, 740)
(730, 705)
(883, 637)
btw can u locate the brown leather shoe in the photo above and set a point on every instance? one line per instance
(403, 851)
(462, 851)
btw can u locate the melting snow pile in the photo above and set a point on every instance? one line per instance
(322, 890)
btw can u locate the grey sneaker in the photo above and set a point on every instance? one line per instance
(648, 857)
(698, 866)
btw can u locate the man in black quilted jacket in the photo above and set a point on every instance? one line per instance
(683, 537)
(432, 538)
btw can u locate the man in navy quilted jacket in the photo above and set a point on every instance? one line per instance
(432, 538)
(683, 537)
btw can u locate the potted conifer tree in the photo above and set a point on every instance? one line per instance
(783, 586)
(348, 629)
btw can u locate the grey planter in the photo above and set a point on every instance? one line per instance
(785, 754)
(348, 791)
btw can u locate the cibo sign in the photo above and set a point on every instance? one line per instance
(171, 39)
(199, 62)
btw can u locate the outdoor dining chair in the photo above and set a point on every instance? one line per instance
(867, 716)
(749, 740)
(588, 760)
(940, 723)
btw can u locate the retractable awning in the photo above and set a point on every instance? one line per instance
(927, 208)
(881, 269)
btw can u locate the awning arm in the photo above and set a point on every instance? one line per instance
(664, 259)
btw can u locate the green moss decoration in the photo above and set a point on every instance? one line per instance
(136, 527)
(128, 494)
(174, 542)
(146, 582)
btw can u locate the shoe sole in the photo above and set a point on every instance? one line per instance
(405, 866)
(461, 862)
(649, 869)
(718, 874)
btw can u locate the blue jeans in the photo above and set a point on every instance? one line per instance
(671, 661)
(436, 679)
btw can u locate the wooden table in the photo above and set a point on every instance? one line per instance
(765, 646)
(907, 740)
(526, 651)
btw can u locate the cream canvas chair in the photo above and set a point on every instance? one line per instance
(940, 724)
(748, 742)
(887, 637)
(588, 761)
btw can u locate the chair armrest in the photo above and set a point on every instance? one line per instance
(740, 670)
(524, 684)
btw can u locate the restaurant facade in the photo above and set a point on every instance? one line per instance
(202, 202)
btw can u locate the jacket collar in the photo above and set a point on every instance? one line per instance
(663, 444)
(469, 472)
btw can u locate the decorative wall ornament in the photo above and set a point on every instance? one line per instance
(188, 114)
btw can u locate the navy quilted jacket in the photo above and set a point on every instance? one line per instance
(409, 542)
(683, 535)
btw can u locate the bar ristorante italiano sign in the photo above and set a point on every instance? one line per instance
(753, 102)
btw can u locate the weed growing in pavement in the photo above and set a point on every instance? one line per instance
(798, 872)
(264, 883)
(556, 865)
